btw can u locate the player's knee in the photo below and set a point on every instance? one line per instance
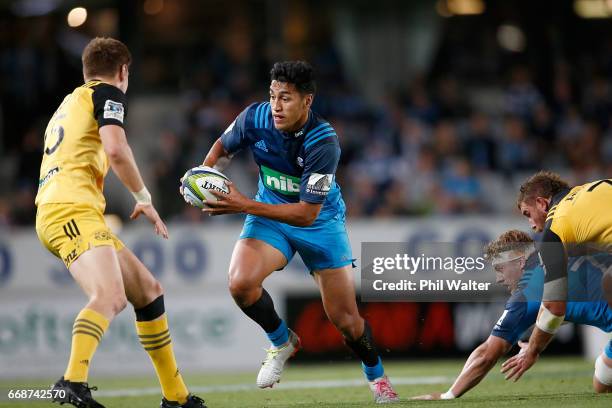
(119, 304)
(241, 287)
(346, 323)
(156, 289)
(602, 378)
(111, 303)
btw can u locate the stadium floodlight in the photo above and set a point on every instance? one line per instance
(593, 8)
(77, 17)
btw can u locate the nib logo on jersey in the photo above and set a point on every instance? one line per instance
(280, 182)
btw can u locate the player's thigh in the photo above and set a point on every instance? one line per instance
(252, 261)
(324, 245)
(98, 273)
(78, 235)
(338, 297)
(141, 287)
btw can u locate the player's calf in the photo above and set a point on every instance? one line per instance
(363, 346)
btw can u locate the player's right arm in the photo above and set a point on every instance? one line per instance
(217, 156)
(476, 367)
(231, 141)
(479, 363)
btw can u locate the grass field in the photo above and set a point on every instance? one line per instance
(556, 382)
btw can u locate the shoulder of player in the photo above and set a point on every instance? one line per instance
(320, 133)
(258, 116)
(517, 301)
(102, 92)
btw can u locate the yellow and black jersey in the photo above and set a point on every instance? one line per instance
(578, 220)
(583, 215)
(74, 163)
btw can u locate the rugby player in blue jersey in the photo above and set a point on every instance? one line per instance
(298, 208)
(517, 266)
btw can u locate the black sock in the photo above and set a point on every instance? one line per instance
(364, 347)
(263, 313)
(151, 311)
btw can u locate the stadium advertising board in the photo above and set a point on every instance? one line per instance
(38, 300)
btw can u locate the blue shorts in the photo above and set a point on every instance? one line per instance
(323, 245)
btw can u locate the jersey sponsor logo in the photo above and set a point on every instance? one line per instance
(277, 181)
(71, 256)
(113, 110)
(501, 320)
(261, 145)
(230, 127)
(319, 184)
(48, 176)
(102, 235)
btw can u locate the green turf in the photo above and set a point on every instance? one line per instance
(555, 382)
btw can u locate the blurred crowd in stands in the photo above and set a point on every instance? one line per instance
(438, 145)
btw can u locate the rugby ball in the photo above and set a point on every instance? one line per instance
(199, 181)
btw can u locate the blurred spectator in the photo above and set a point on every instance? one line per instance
(461, 190)
(480, 146)
(438, 142)
(516, 150)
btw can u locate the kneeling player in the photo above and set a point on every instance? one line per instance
(298, 208)
(572, 221)
(517, 266)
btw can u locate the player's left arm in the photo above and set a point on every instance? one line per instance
(552, 309)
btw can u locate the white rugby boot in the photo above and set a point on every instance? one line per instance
(383, 391)
(272, 367)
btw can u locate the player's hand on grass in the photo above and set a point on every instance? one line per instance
(428, 397)
(151, 213)
(515, 366)
(233, 202)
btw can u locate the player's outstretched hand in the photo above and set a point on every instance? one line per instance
(233, 202)
(151, 213)
(428, 397)
(515, 366)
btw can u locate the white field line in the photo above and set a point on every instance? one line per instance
(286, 385)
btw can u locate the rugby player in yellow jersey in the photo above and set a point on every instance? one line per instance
(83, 139)
(572, 221)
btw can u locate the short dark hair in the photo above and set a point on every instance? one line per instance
(104, 56)
(299, 73)
(542, 184)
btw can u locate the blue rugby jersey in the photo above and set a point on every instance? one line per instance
(522, 308)
(293, 167)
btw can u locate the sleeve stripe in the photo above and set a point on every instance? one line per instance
(256, 116)
(267, 114)
(327, 133)
(318, 129)
(261, 115)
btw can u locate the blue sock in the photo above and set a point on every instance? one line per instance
(375, 372)
(279, 336)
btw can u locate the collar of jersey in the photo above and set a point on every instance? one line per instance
(302, 131)
(559, 196)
